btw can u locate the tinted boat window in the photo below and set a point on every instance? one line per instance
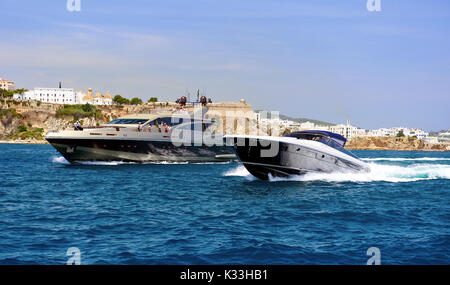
(323, 139)
(128, 121)
(311, 137)
(171, 122)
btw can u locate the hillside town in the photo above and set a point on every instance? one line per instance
(65, 96)
(7, 85)
(349, 131)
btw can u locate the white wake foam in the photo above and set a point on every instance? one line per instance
(59, 159)
(406, 159)
(62, 160)
(239, 171)
(104, 163)
(379, 172)
(186, 162)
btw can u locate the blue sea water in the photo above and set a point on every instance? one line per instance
(118, 213)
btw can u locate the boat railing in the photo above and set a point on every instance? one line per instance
(103, 127)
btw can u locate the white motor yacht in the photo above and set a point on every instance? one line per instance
(141, 138)
(295, 154)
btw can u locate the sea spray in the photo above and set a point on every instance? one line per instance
(240, 171)
(59, 159)
(378, 172)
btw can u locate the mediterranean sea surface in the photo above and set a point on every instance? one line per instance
(121, 213)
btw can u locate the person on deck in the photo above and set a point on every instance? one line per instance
(77, 126)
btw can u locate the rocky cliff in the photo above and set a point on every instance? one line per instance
(393, 143)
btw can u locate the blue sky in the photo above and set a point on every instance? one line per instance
(326, 60)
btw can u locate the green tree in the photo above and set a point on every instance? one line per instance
(88, 108)
(400, 134)
(120, 100)
(8, 94)
(136, 101)
(20, 91)
(153, 100)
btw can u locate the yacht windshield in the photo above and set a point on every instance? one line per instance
(324, 138)
(306, 136)
(128, 121)
(171, 121)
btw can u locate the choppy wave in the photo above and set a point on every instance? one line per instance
(189, 213)
(407, 159)
(379, 172)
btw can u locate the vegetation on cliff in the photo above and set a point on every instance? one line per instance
(121, 100)
(9, 112)
(124, 101)
(24, 133)
(9, 94)
(80, 111)
(136, 101)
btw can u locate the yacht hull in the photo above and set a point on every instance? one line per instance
(292, 157)
(78, 150)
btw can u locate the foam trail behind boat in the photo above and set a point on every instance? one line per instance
(379, 172)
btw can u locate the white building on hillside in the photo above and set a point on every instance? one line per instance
(348, 131)
(97, 99)
(8, 85)
(383, 132)
(64, 96)
(307, 126)
(49, 95)
(312, 126)
(420, 134)
(444, 138)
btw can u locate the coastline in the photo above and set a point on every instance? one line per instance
(394, 149)
(394, 143)
(30, 121)
(349, 148)
(23, 142)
